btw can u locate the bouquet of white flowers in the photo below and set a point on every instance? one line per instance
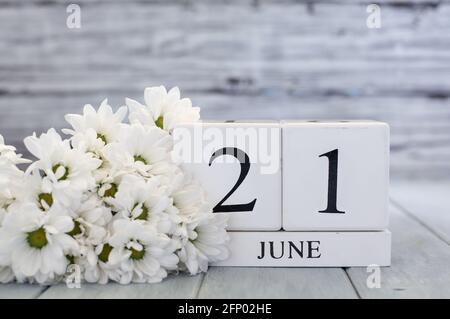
(110, 199)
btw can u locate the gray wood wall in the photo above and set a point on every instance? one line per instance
(237, 60)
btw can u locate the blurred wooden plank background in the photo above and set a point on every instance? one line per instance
(237, 60)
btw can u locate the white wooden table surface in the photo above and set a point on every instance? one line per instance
(420, 225)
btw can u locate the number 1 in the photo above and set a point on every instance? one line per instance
(332, 182)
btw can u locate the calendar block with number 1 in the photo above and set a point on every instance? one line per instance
(335, 175)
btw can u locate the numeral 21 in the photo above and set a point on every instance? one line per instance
(245, 167)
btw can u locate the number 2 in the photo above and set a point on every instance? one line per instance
(332, 182)
(244, 161)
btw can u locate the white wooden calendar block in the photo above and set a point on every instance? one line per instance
(335, 175)
(308, 249)
(238, 164)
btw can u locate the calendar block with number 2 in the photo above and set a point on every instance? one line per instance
(238, 163)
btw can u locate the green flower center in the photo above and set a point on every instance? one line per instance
(145, 213)
(137, 254)
(111, 192)
(37, 238)
(47, 198)
(104, 255)
(160, 122)
(102, 137)
(66, 171)
(139, 158)
(76, 229)
(70, 259)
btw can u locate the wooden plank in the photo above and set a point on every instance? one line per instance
(428, 201)
(202, 50)
(181, 286)
(223, 282)
(20, 291)
(420, 264)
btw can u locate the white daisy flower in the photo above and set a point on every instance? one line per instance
(190, 199)
(144, 254)
(96, 265)
(104, 122)
(88, 142)
(92, 211)
(91, 221)
(108, 187)
(143, 200)
(6, 275)
(142, 150)
(10, 175)
(8, 154)
(8, 191)
(163, 109)
(67, 170)
(35, 243)
(33, 188)
(204, 240)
